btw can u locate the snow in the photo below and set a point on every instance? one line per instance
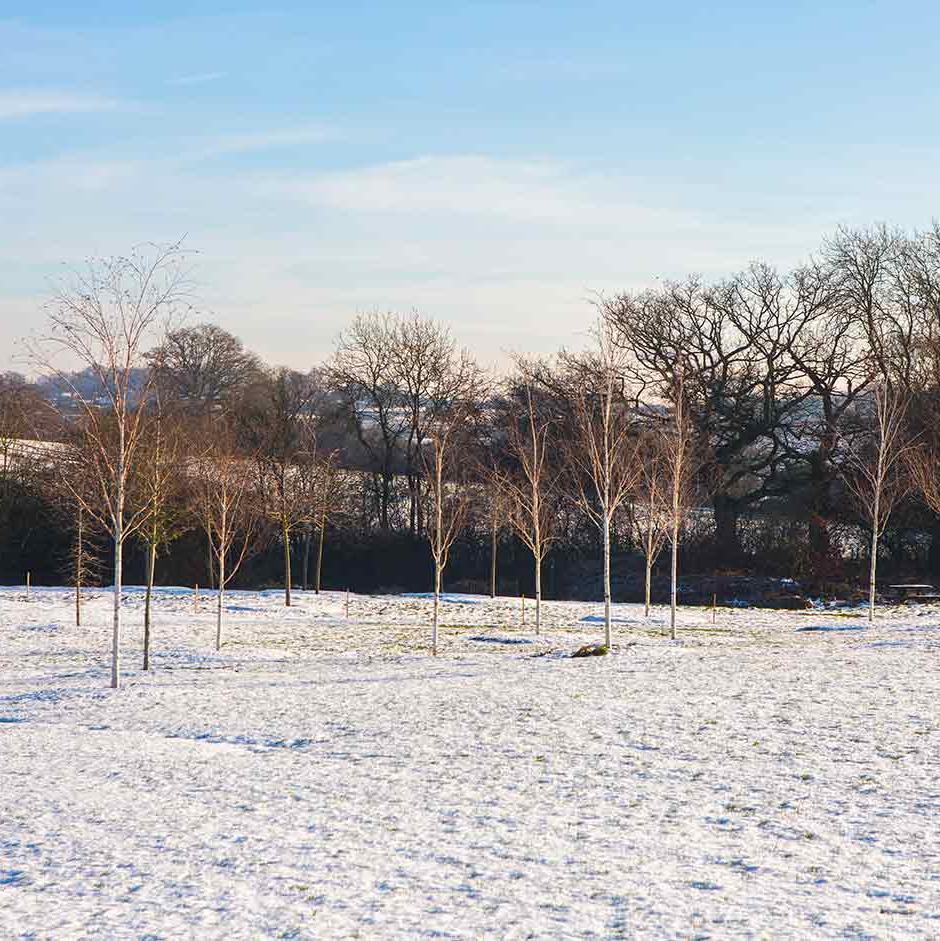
(325, 778)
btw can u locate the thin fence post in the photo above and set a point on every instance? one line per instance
(196, 598)
(347, 603)
(523, 610)
(28, 586)
(714, 607)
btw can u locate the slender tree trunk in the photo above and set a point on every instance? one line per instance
(210, 564)
(607, 631)
(873, 565)
(116, 627)
(285, 532)
(679, 458)
(305, 561)
(419, 508)
(219, 601)
(648, 595)
(674, 581)
(493, 547)
(151, 566)
(437, 602)
(118, 521)
(320, 552)
(538, 594)
(386, 499)
(413, 504)
(79, 566)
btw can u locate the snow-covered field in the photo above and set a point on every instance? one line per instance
(775, 775)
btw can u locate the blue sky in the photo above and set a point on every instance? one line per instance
(491, 164)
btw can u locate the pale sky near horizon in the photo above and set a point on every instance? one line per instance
(490, 164)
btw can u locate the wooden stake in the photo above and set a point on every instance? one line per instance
(714, 607)
(347, 602)
(27, 585)
(523, 610)
(196, 598)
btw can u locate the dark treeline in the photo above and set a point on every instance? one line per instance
(747, 423)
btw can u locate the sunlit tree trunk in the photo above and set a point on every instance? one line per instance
(674, 577)
(285, 533)
(607, 593)
(437, 603)
(118, 535)
(493, 548)
(538, 594)
(79, 565)
(219, 601)
(320, 552)
(873, 565)
(305, 563)
(151, 566)
(210, 566)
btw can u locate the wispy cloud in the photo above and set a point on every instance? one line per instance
(198, 78)
(22, 103)
(257, 141)
(471, 185)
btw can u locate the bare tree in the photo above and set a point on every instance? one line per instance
(157, 490)
(277, 425)
(203, 367)
(497, 522)
(105, 317)
(204, 370)
(651, 510)
(876, 464)
(733, 342)
(429, 370)
(530, 484)
(447, 469)
(493, 504)
(835, 368)
(329, 499)
(365, 373)
(678, 448)
(72, 473)
(223, 491)
(602, 451)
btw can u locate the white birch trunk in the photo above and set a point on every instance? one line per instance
(219, 600)
(493, 559)
(79, 567)
(320, 552)
(118, 520)
(285, 531)
(151, 565)
(116, 626)
(873, 566)
(437, 600)
(538, 595)
(674, 581)
(607, 631)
